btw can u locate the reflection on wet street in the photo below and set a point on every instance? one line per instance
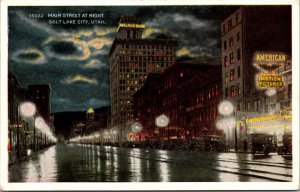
(91, 163)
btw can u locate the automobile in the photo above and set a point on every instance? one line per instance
(262, 143)
(286, 147)
(214, 143)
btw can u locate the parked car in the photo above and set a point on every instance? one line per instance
(215, 143)
(261, 143)
(286, 147)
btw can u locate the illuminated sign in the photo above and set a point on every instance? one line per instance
(268, 64)
(269, 81)
(131, 25)
(263, 118)
(269, 118)
(270, 57)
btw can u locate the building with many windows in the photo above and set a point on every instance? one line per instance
(248, 30)
(132, 58)
(18, 129)
(187, 93)
(244, 33)
(40, 94)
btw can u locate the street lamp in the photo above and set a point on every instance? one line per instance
(136, 127)
(226, 108)
(163, 121)
(113, 132)
(28, 110)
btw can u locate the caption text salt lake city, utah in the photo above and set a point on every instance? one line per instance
(71, 18)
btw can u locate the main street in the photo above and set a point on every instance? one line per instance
(91, 163)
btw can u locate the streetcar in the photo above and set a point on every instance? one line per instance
(261, 143)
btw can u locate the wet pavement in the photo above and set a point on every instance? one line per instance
(91, 163)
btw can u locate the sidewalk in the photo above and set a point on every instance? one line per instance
(12, 156)
(232, 150)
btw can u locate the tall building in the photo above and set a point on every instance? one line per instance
(187, 94)
(244, 33)
(248, 30)
(40, 94)
(18, 137)
(132, 58)
(284, 95)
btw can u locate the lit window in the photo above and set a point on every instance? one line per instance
(230, 41)
(232, 91)
(226, 78)
(232, 75)
(225, 61)
(231, 58)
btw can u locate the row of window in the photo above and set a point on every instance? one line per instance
(126, 113)
(233, 91)
(169, 100)
(149, 65)
(145, 58)
(231, 58)
(205, 95)
(206, 114)
(133, 70)
(132, 82)
(136, 75)
(149, 47)
(137, 52)
(231, 40)
(256, 106)
(229, 22)
(127, 88)
(232, 75)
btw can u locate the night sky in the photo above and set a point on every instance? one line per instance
(73, 58)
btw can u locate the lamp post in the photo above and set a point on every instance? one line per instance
(163, 121)
(28, 110)
(136, 127)
(226, 109)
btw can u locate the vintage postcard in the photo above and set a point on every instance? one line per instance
(149, 95)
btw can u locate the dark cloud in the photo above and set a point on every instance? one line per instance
(29, 56)
(63, 48)
(67, 48)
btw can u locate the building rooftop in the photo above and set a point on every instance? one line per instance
(129, 19)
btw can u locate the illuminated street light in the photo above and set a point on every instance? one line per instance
(27, 109)
(270, 92)
(136, 127)
(162, 121)
(39, 123)
(225, 108)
